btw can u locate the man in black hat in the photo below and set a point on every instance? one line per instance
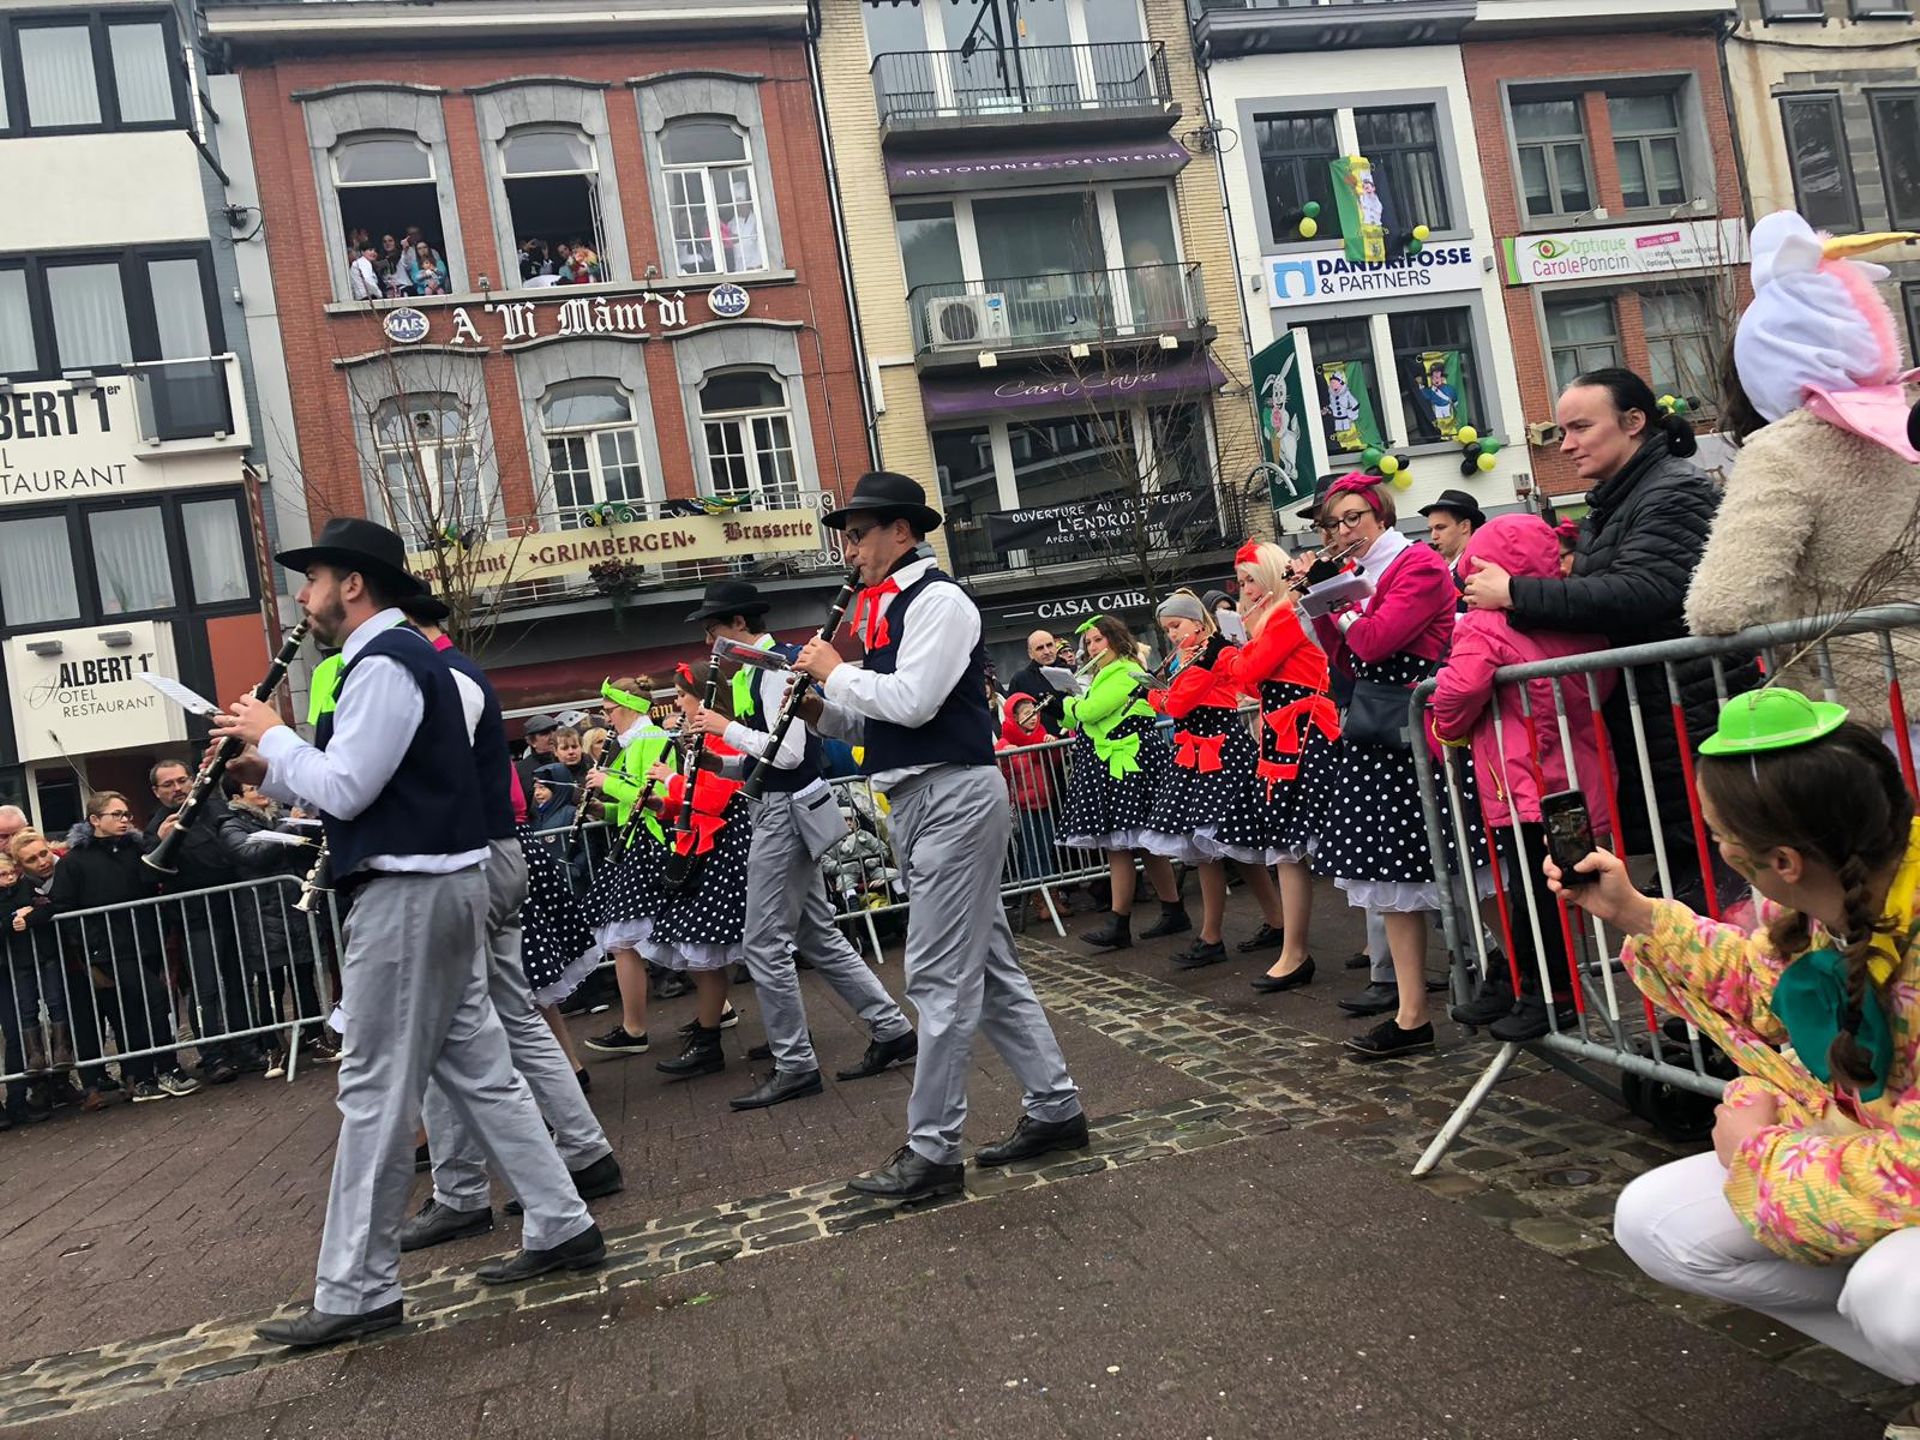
(919, 706)
(410, 848)
(1451, 521)
(538, 730)
(795, 822)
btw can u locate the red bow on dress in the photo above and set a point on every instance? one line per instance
(867, 618)
(1198, 752)
(1290, 722)
(699, 839)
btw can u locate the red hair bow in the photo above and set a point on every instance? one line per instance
(1247, 554)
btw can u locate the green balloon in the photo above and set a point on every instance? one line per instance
(1370, 457)
(1311, 209)
(1680, 405)
(1489, 445)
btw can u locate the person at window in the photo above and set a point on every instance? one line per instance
(33, 968)
(426, 271)
(740, 240)
(582, 265)
(125, 959)
(535, 259)
(388, 260)
(363, 276)
(357, 240)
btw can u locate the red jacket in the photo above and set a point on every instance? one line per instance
(1205, 681)
(1282, 651)
(1026, 770)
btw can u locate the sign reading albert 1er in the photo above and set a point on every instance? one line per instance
(75, 691)
(62, 441)
(547, 554)
(1628, 250)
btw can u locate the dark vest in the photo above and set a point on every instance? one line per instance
(426, 808)
(961, 730)
(782, 782)
(492, 764)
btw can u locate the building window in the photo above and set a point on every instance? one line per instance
(429, 468)
(1882, 9)
(1896, 131)
(89, 310)
(133, 571)
(552, 180)
(98, 72)
(1581, 336)
(1817, 150)
(386, 187)
(216, 551)
(17, 353)
(1646, 146)
(969, 491)
(1438, 392)
(1681, 358)
(1553, 157)
(749, 435)
(1910, 296)
(1404, 147)
(711, 199)
(1793, 9)
(593, 448)
(1295, 153)
(1348, 407)
(37, 585)
(103, 311)
(929, 244)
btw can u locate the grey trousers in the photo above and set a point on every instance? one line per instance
(950, 830)
(459, 1166)
(786, 902)
(414, 987)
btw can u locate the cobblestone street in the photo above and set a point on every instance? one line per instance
(1241, 1252)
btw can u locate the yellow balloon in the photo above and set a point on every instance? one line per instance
(1309, 227)
(1422, 233)
(1486, 462)
(1466, 435)
(1403, 480)
(1389, 464)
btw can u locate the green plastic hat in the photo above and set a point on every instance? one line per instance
(1773, 718)
(1087, 624)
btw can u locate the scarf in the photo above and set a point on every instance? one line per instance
(1382, 553)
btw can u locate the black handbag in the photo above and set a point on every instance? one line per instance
(1379, 714)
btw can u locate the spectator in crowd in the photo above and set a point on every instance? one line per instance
(363, 276)
(535, 260)
(124, 956)
(575, 263)
(426, 271)
(206, 927)
(357, 240)
(1031, 789)
(388, 260)
(568, 750)
(554, 797)
(1451, 521)
(33, 969)
(539, 732)
(12, 821)
(1567, 533)
(1043, 648)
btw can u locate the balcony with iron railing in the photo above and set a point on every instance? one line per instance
(934, 97)
(1138, 305)
(1226, 28)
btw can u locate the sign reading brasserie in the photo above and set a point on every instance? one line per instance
(566, 316)
(1629, 250)
(1104, 523)
(546, 554)
(76, 692)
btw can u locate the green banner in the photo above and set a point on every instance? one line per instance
(1363, 209)
(1442, 391)
(1279, 380)
(1351, 422)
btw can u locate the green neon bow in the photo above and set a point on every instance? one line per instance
(1121, 752)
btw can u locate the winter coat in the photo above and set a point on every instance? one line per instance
(1409, 613)
(1028, 680)
(1464, 706)
(1639, 545)
(24, 947)
(1808, 510)
(272, 933)
(558, 812)
(201, 861)
(1026, 770)
(108, 872)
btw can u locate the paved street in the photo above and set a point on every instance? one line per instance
(1240, 1253)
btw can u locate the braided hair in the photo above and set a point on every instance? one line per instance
(1839, 801)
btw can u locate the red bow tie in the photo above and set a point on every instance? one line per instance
(867, 618)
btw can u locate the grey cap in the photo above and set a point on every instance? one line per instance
(539, 725)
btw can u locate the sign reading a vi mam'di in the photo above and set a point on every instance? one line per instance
(547, 554)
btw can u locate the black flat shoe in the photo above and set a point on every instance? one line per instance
(436, 1224)
(1033, 1137)
(1200, 954)
(1377, 999)
(1173, 920)
(1301, 974)
(1269, 937)
(778, 1088)
(320, 1327)
(1114, 935)
(907, 1175)
(584, 1251)
(883, 1055)
(1387, 1039)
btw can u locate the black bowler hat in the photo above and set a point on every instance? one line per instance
(1311, 510)
(1460, 505)
(729, 597)
(425, 609)
(357, 544)
(891, 497)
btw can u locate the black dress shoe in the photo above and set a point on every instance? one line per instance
(321, 1327)
(1268, 937)
(1033, 1137)
(908, 1175)
(1301, 974)
(1377, 999)
(1388, 1039)
(1359, 960)
(1116, 934)
(1528, 1020)
(1201, 954)
(780, 1086)
(602, 1177)
(703, 1056)
(436, 1224)
(584, 1251)
(1173, 920)
(882, 1055)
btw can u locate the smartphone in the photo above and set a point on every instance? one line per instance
(1569, 833)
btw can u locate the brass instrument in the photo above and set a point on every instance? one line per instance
(215, 765)
(836, 612)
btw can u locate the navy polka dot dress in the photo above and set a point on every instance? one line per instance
(1209, 782)
(625, 894)
(1105, 813)
(557, 946)
(700, 928)
(1279, 816)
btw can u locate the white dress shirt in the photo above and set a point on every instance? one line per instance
(373, 723)
(932, 657)
(365, 283)
(770, 689)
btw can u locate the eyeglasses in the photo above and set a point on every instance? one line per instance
(856, 534)
(116, 815)
(1348, 520)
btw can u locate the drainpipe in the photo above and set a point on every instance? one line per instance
(1724, 32)
(870, 416)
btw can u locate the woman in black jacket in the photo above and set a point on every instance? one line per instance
(1649, 511)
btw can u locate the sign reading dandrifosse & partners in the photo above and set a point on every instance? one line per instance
(640, 542)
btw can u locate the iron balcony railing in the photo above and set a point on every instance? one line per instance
(1069, 307)
(917, 86)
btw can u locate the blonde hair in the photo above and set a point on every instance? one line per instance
(1269, 569)
(21, 839)
(592, 739)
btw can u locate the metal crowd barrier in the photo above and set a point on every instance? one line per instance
(205, 969)
(1667, 1073)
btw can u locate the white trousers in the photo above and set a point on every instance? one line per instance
(1675, 1224)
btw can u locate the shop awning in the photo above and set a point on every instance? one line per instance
(919, 174)
(1119, 383)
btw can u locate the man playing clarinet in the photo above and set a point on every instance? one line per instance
(919, 707)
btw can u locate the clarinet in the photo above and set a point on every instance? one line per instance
(837, 612)
(681, 869)
(215, 765)
(311, 888)
(580, 800)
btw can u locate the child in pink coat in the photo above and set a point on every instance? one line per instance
(1511, 777)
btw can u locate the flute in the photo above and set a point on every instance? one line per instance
(1300, 584)
(215, 765)
(836, 612)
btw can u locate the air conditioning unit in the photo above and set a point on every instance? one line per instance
(968, 319)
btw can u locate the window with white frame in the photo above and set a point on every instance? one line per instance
(1552, 146)
(552, 179)
(1582, 335)
(1646, 147)
(711, 199)
(593, 448)
(749, 438)
(385, 183)
(429, 459)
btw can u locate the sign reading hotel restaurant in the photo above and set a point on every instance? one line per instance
(1321, 277)
(1628, 250)
(75, 691)
(62, 441)
(546, 554)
